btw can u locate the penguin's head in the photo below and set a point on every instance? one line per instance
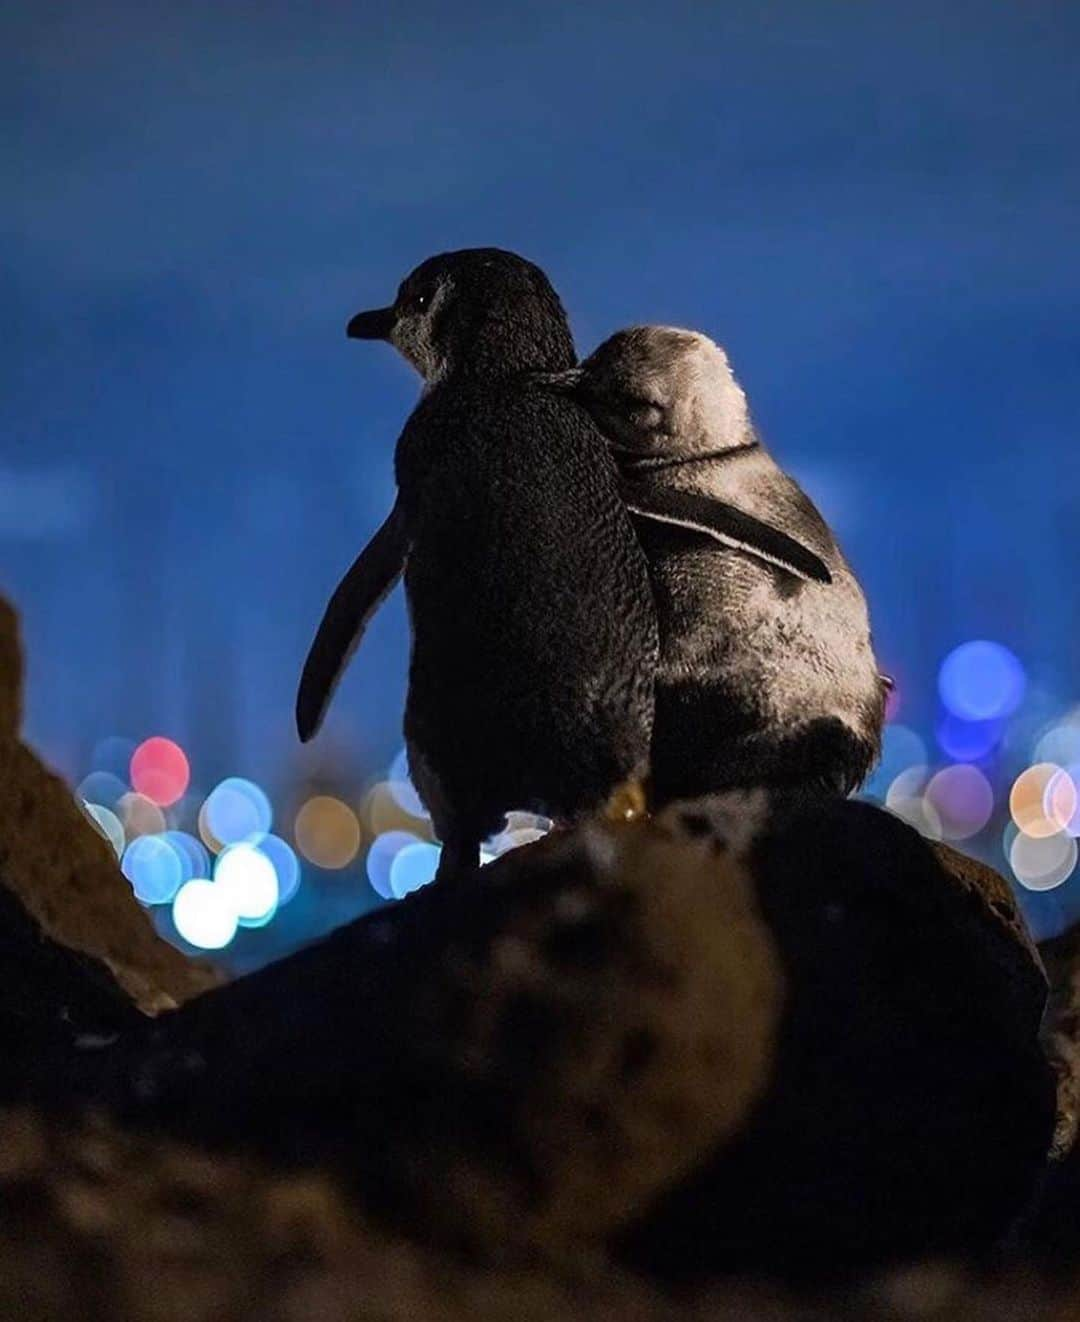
(659, 390)
(477, 311)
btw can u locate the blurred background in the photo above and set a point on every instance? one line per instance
(874, 207)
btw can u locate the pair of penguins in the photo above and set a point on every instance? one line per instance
(608, 579)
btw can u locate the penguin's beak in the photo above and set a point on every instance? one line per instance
(376, 325)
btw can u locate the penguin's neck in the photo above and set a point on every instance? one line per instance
(507, 343)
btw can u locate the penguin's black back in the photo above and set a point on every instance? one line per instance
(534, 632)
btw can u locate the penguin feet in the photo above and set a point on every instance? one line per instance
(458, 858)
(627, 803)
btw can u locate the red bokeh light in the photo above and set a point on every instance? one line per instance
(160, 770)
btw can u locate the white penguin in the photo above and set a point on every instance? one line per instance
(767, 673)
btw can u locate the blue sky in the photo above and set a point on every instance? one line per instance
(873, 206)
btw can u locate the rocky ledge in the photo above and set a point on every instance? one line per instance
(720, 1064)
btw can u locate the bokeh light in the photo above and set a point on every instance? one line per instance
(249, 879)
(1059, 744)
(204, 915)
(920, 814)
(327, 832)
(140, 815)
(1042, 800)
(901, 748)
(285, 864)
(237, 874)
(383, 810)
(1042, 862)
(909, 784)
(963, 799)
(236, 810)
(413, 867)
(981, 681)
(967, 741)
(1061, 800)
(195, 861)
(108, 824)
(104, 788)
(113, 754)
(154, 868)
(160, 770)
(402, 788)
(380, 857)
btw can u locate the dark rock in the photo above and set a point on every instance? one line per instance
(912, 1108)
(526, 1058)
(1061, 1034)
(78, 956)
(741, 1038)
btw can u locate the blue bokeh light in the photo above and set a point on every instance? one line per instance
(901, 748)
(981, 681)
(380, 859)
(285, 863)
(968, 741)
(247, 876)
(413, 867)
(104, 788)
(402, 788)
(238, 810)
(1059, 744)
(194, 860)
(113, 754)
(154, 868)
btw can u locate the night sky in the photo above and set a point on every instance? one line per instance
(874, 207)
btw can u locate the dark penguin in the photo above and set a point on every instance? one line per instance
(534, 637)
(767, 675)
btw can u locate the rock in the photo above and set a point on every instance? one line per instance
(99, 1225)
(78, 956)
(10, 674)
(524, 1060)
(750, 1036)
(1061, 1034)
(1053, 1234)
(911, 1108)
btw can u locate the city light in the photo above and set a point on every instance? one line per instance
(249, 880)
(981, 681)
(154, 868)
(413, 867)
(214, 858)
(327, 832)
(203, 915)
(235, 811)
(160, 771)
(963, 799)
(108, 824)
(380, 858)
(285, 864)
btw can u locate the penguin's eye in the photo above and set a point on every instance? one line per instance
(420, 300)
(644, 412)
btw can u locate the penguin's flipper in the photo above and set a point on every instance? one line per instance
(356, 598)
(717, 519)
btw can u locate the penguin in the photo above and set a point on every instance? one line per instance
(534, 633)
(767, 674)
